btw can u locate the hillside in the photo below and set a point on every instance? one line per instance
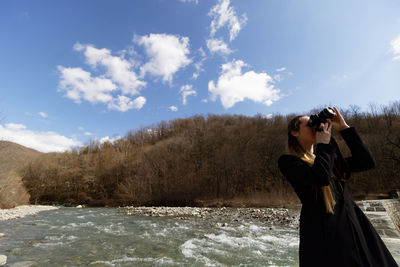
(13, 157)
(213, 160)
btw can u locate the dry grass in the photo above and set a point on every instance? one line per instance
(12, 191)
(12, 158)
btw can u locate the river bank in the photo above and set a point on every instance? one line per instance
(223, 215)
(22, 211)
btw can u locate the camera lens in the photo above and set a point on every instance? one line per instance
(316, 120)
(326, 113)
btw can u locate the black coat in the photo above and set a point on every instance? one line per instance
(345, 238)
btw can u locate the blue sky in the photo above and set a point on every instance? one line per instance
(75, 70)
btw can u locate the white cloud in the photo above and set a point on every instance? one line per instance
(79, 84)
(88, 133)
(186, 91)
(80, 128)
(79, 47)
(15, 126)
(44, 115)
(173, 108)
(41, 141)
(118, 69)
(395, 47)
(267, 116)
(190, 1)
(108, 139)
(204, 100)
(233, 86)
(222, 14)
(218, 46)
(281, 69)
(168, 54)
(199, 64)
(277, 77)
(123, 103)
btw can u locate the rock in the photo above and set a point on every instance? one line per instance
(265, 215)
(1, 235)
(79, 207)
(380, 209)
(96, 262)
(3, 260)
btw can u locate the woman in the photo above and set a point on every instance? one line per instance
(333, 229)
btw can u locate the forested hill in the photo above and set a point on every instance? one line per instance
(204, 160)
(12, 158)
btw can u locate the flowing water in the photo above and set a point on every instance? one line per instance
(105, 237)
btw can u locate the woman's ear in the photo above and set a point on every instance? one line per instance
(294, 133)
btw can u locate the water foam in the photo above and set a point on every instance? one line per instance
(189, 250)
(117, 229)
(126, 259)
(39, 244)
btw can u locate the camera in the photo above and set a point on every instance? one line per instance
(316, 120)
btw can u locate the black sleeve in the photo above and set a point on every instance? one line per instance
(361, 158)
(297, 171)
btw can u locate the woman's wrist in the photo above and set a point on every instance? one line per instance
(342, 127)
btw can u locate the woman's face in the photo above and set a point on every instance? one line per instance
(306, 134)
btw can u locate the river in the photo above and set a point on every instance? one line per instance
(105, 237)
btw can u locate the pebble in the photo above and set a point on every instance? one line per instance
(3, 260)
(273, 216)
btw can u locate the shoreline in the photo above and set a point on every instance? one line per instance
(224, 215)
(22, 211)
(288, 216)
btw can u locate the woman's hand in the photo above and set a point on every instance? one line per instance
(324, 136)
(337, 121)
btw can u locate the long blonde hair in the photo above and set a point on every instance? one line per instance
(296, 149)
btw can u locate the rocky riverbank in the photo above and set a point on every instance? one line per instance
(224, 215)
(21, 211)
